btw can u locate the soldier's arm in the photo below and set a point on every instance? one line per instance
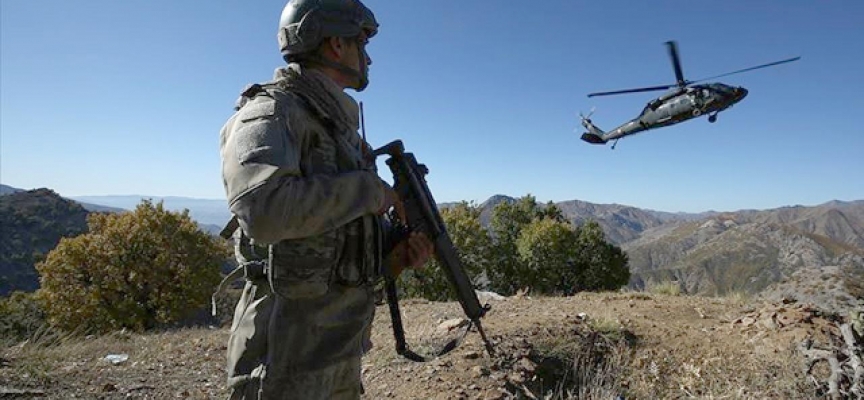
(267, 192)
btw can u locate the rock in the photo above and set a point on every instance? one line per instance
(493, 394)
(786, 320)
(472, 355)
(116, 359)
(452, 324)
(515, 378)
(526, 365)
(486, 296)
(479, 371)
(768, 321)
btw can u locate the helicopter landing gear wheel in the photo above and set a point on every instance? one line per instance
(712, 118)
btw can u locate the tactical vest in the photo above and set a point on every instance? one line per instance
(348, 255)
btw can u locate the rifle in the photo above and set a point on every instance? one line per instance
(421, 214)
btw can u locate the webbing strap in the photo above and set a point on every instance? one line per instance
(399, 331)
(252, 270)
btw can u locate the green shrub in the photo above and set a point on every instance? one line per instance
(473, 245)
(20, 317)
(527, 245)
(546, 249)
(135, 270)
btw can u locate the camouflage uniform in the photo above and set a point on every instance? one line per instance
(300, 178)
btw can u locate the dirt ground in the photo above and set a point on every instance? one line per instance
(613, 345)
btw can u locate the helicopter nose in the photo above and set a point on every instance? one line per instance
(740, 93)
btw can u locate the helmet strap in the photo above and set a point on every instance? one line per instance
(360, 75)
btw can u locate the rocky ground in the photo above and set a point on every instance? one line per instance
(628, 345)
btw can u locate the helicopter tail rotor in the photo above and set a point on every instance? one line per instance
(594, 134)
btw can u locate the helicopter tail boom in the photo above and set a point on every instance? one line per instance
(594, 134)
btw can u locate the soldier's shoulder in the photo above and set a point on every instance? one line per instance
(271, 97)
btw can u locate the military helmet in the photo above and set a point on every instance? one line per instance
(305, 23)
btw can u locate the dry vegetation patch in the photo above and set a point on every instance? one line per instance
(636, 345)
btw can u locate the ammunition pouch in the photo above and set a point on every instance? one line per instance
(303, 268)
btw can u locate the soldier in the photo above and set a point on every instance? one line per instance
(300, 179)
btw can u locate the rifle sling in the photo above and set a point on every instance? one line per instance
(399, 331)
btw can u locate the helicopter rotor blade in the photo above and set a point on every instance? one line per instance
(676, 62)
(750, 69)
(637, 90)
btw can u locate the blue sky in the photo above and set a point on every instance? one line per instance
(127, 97)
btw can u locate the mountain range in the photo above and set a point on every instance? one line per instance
(812, 254)
(773, 251)
(31, 225)
(210, 214)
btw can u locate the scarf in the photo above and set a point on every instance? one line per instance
(328, 101)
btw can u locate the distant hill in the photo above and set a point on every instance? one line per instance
(32, 224)
(99, 208)
(730, 253)
(211, 214)
(620, 223)
(34, 221)
(841, 221)
(5, 189)
(749, 251)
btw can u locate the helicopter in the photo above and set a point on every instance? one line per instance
(684, 101)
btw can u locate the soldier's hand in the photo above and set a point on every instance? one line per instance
(414, 252)
(420, 249)
(391, 199)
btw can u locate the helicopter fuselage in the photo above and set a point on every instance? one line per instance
(679, 105)
(683, 102)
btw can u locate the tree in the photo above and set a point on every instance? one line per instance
(135, 270)
(534, 246)
(546, 250)
(473, 244)
(506, 223)
(601, 265)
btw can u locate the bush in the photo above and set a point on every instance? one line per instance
(20, 317)
(546, 250)
(505, 270)
(473, 245)
(535, 246)
(527, 245)
(135, 270)
(601, 265)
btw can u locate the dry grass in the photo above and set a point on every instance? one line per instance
(739, 297)
(668, 288)
(589, 346)
(590, 367)
(160, 365)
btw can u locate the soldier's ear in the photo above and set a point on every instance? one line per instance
(333, 48)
